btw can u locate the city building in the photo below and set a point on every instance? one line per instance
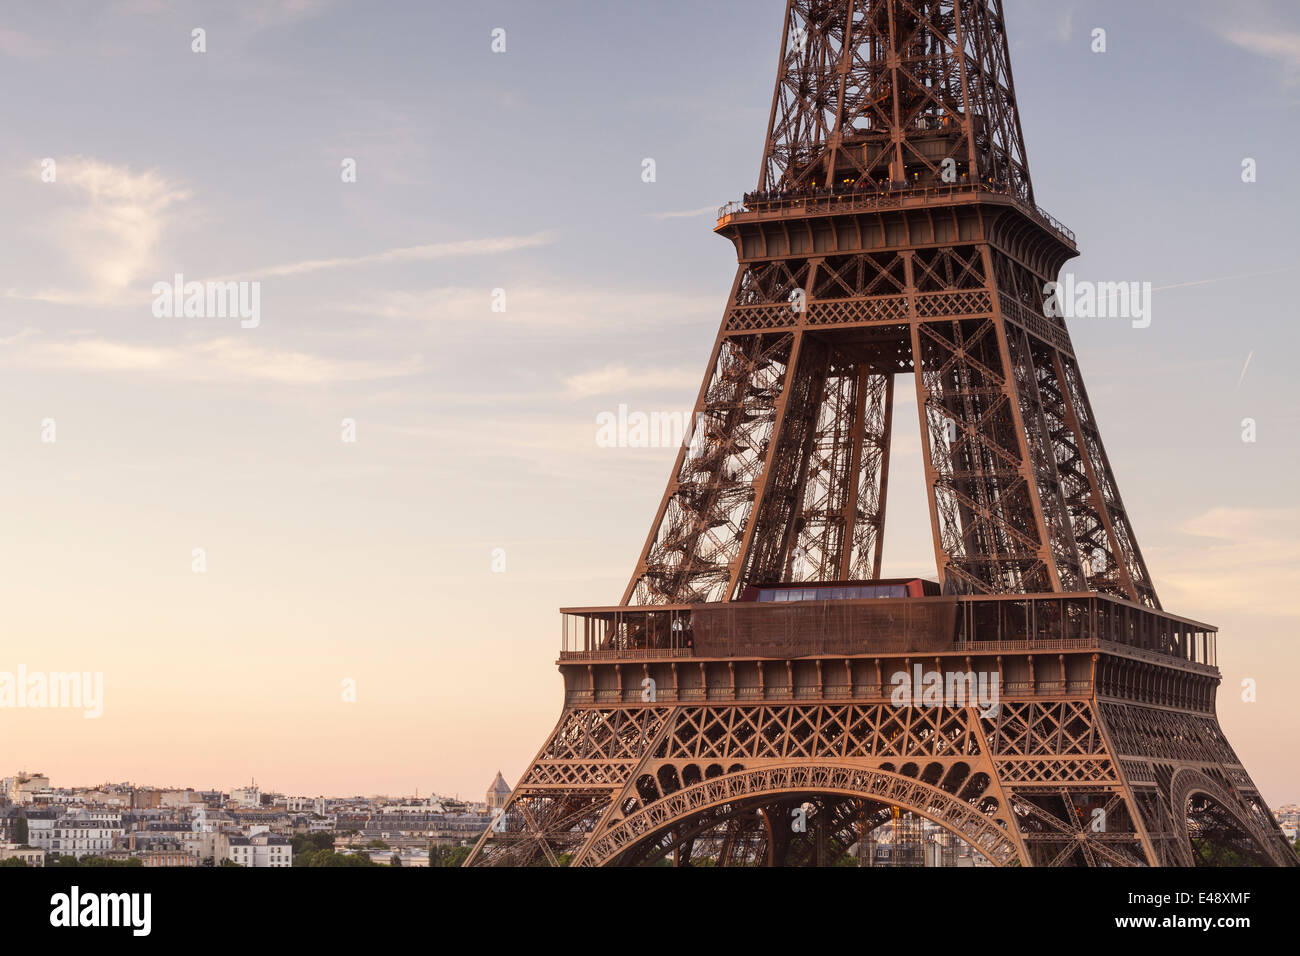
(29, 855)
(26, 787)
(258, 850)
(314, 805)
(246, 798)
(498, 793)
(161, 855)
(75, 832)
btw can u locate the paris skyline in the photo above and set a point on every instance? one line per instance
(327, 560)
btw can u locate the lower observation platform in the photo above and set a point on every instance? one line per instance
(1064, 645)
(984, 623)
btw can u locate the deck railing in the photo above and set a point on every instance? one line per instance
(974, 624)
(852, 199)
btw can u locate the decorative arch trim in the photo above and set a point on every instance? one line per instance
(988, 835)
(1187, 782)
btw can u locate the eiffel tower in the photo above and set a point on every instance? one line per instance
(762, 696)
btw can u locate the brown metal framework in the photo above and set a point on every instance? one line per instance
(894, 230)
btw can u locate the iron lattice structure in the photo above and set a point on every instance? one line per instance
(893, 231)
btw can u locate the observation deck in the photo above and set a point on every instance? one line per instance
(780, 205)
(968, 624)
(1040, 646)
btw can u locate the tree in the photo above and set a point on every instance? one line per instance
(377, 845)
(102, 861)
(311, 842)
(230, 862)
(1210, 852)
(90, 861)
(448, 855)
(13, 861)
(330, 858)
(20, 833)
(396, 860)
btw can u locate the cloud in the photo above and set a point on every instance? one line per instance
(249, 16)
(267, 14)
(138, 7)
(224, 360)
(17, 336)
(296, 368)
(1065, 23)
(554, 306)
(1232, 524)
(619, 379)
(1235, 278)
(685, 214)
(1278, 45)
(14, 43)
(391, 143)
(1242, 378)
(424, 253)
(517, 451)
(108, 228)
(1244, 559)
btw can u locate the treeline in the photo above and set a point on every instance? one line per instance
(317, 849)
(309, 849)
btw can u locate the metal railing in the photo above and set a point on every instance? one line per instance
(970, 623)
(852, 199)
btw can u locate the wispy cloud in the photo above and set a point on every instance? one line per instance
(1216, 279)
(1243, 559)
(555, 306)
(1244, 367)
(105, 222)
(249, 16)
(1065, 22)
(18, 44)
(267, 14)
(619, 379)
(17, 337)
(424, 253)
(224, 360)
(1281, 45)
(550, 446)
(685, 213)
(391, 143)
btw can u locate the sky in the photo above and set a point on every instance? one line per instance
(495, 276)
